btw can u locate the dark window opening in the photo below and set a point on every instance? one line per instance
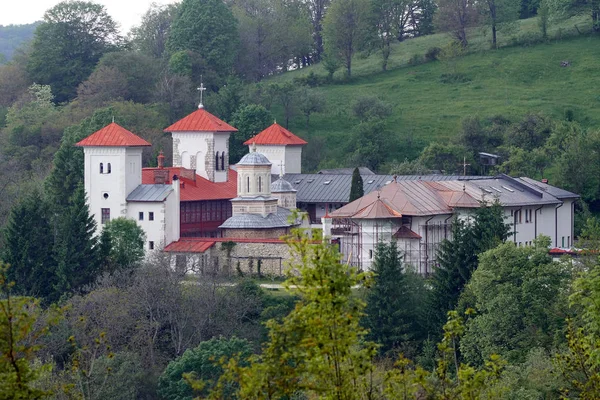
(101, 168)
(105, 213)
(141, 216)
(217, 161)
(151, 245)
(222, 161)
(150, 216)
(108, 169)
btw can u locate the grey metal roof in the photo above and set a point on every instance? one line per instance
(150, 193)
(254, 158)
(553, 190)
(346, 171)
(256, 221)
(313, 188)
(253, 198)
(281, 186)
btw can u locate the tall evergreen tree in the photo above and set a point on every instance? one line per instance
(356, 189)
(77, 250)
(28, 250)
(392, 312)
(458, 258)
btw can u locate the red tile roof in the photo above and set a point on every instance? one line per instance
(113, 135)
(201, 189)
(276, 134)
(376, 210)
(200, 121)
(200, 245)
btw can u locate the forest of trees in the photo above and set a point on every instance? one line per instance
(494, 321)
(84, 316)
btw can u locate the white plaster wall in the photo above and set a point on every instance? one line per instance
(133, 173)
(222, 144)
(155, 230)
(188, 144)
(293, 159)
(565, 224)
(172, 215)
(275, 154)
(374, 231)
(113, 184)
(253, 172)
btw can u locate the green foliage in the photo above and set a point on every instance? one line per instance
(21, 326)
(457, 258)
(347, 29)
(393, 309)
(318, 348)
(443, 157)
(580, 364)
(208, 28)
(202, 363)
(356, 189)
(127, 241)
(76, 249)
(310, 102)
(519, 302)
(77, 31)
(450, 379)
(14, 36)
(28, 247)
(367, 108)
(150, 37)
(250, 120)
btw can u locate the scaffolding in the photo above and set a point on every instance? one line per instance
(358, 241)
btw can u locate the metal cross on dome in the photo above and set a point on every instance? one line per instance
(201, 89)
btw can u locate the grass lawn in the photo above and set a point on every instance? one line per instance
(511, 81)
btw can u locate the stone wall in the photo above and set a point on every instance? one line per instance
(273, 258)
(276, 233)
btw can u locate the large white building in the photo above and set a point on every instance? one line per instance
(113, 185)
(417, 214)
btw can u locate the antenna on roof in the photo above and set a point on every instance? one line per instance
(201, 89)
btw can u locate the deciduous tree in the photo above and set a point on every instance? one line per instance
(347, 28)
(127, 242)
(68, 44)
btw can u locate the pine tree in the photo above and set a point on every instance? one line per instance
(392, 312)
(76, 252)
(458, 258)
(28, 238)
(356, 189)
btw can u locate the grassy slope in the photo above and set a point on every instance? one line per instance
(511, 81)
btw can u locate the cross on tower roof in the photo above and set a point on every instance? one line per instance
(201, 89)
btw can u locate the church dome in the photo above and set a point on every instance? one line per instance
(281, 186)
(254, 158)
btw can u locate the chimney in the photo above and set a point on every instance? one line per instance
(161, 160)
(161, 176)
(176, 213)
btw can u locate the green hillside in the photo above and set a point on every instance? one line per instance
(14, 36)
(511, 82)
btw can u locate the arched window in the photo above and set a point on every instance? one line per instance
(108, 168)
(248, 184)
(217, 161)
(101, 168)
(259, 184)
(223, 161)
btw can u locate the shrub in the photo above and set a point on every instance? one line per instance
(416, 59)
(454, 78)
(204, 362)
(312, 80)
(432, 53)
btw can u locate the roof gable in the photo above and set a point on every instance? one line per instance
(277, 135)
(200, 121)
(113, 135)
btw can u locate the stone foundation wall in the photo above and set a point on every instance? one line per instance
(273, 258)
(275, 233)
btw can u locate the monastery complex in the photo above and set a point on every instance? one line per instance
(215, 217)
